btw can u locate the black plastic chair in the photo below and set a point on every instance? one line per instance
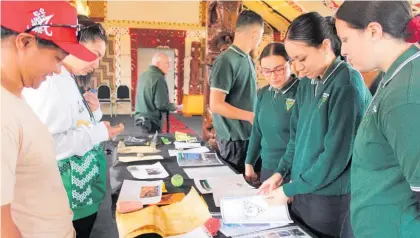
(123, 96)
(104, 96)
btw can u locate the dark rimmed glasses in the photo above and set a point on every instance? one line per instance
(278, 70)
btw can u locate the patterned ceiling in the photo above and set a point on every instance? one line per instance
(279, 13)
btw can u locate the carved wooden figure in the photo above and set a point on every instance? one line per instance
(195, 84)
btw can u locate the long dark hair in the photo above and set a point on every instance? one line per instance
(393, 16)
(91, 31)
(313, 29)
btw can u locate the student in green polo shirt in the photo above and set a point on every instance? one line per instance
(385, 175)
(330, 103)
(234, 90)
(152, 97)
(270, 131)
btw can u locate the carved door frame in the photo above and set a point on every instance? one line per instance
(157, 38)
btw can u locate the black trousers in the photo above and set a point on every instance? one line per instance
(233, 152)
(325, 216)
(265, 174)
(84, 226)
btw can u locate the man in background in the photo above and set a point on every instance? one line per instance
(234, 90)
(153, 95)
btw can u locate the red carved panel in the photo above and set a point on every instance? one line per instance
(156, 38)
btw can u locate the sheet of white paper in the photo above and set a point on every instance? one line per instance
(199, 232)
(155, 170)
(289, 232)
(147, 192)
(184, 145)
(208, 172)
(127, 159)
(232, 182)
(201, 149)
(252, 209)
(219, 193)
(240, 229)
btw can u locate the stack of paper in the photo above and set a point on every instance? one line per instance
(252, 210)
(153, 171)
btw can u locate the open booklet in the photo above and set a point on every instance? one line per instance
(175, 219)
(252, 210)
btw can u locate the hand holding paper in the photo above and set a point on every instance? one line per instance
(277, 197)
(270, 184)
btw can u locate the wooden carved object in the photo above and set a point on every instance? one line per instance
(195, 85)
(221, 21)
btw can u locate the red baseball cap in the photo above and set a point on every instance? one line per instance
(50, 20)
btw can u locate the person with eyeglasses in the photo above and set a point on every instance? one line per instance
(73, 116)
(270, 130)
(35, 38)
(330, 103)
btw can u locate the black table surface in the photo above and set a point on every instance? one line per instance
(119, 173)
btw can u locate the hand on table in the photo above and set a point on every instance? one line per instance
(270, 184)
(92, 100)
(250, 174)
(277, 197)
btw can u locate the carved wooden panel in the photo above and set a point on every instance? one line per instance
(221, 21)
(156, 38)
(105, 74)
(97, 10)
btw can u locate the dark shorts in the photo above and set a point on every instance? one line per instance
(234, 153)
(326, 216)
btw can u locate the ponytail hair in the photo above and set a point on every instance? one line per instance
(312, 29)
(395, 17)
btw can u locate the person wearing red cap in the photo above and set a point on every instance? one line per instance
(35, 38)
(73, 116)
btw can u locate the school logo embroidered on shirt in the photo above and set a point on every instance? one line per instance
(289, 103)
(324, 99)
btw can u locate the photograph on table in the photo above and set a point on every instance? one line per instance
(185, 159)
(288, 231)
(152, 171)
(149, 191)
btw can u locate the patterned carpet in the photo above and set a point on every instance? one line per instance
(177, 125)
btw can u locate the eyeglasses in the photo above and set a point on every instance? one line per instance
(278, 70)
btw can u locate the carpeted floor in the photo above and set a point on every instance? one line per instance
(105, 226)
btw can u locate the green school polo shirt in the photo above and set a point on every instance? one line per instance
(152, 95)
(324, 122)
(386, 161)
(233, 73)
(270, 131)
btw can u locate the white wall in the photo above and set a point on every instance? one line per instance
(144, 60)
